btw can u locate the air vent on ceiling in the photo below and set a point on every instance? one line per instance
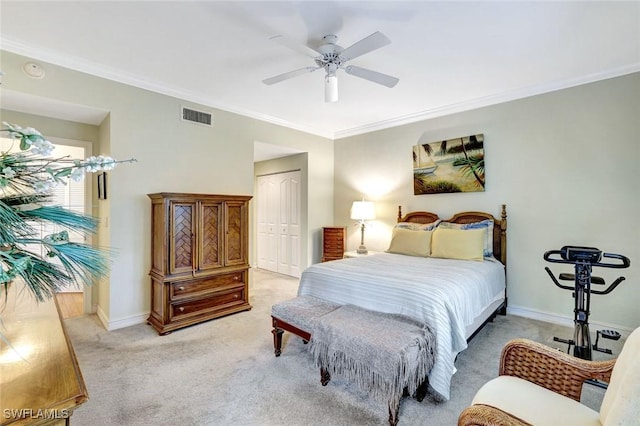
(199, 117)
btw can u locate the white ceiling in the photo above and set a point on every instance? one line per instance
(449, 56)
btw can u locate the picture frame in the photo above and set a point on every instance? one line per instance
(447, 166)
(102, 186)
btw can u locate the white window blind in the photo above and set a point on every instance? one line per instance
(70, 196)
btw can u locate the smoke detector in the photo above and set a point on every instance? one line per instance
(33, 70)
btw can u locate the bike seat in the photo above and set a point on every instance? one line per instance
(572, 277)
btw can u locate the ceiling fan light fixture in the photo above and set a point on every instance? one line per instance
(332, 58)
(331, 88)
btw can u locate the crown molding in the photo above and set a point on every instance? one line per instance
(488, 101)
(100, 70)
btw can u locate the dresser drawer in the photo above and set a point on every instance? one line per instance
(333, 236)
(334, 245)
(199, 286)
(216, 302)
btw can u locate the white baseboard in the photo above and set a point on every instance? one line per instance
(121, 323)
(564, 320)
(102, 317)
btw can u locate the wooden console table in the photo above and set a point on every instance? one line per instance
(40, 380)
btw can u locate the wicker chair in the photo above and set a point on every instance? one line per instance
(538, 385)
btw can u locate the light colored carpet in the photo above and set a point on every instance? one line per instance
(224, 372)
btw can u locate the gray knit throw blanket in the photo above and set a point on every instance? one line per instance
(381, 353)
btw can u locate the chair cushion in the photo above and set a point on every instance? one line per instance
(534, 404)
(621, 402)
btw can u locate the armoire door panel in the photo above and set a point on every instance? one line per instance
(182, 224)
(236, 238)
(210, 243)
(158, 236)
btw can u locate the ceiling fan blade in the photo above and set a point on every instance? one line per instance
(288, 75)
(296, 46)
(366, 45)
(376, 77)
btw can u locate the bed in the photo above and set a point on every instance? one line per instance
(455, 297)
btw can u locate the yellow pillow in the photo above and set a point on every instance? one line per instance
(458, 244)
(411, 243)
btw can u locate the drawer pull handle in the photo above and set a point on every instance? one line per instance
(181, 308)
(236, 296)
(181, 288)
(236, 278)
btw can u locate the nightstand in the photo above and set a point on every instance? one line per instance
(354, 253)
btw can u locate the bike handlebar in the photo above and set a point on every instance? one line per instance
(573, 255)
(608, 290)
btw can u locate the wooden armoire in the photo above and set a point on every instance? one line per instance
(199, 258)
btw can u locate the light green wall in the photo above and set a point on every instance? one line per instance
(565, 164)
(52, 127)
(172, 156)
(103, 300)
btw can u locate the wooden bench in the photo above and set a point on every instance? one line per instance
(393, 354)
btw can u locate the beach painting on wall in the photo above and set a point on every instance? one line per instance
(452, 165)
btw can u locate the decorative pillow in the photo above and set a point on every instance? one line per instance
(428, 226)
(406, 225)
(485, 224)
(411, 243)
(418, 226)
(458, 243)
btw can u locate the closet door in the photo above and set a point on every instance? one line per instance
(279, 223)
(261, 221)
(289, 224)
(295, 226)
(267, 199)
(284, 243)
(272, 196)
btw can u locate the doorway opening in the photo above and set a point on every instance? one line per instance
(73, 300)
(278, 222)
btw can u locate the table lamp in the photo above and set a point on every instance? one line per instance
(362, 211)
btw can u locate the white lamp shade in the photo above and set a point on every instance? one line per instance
(363, 210)
(330, 88)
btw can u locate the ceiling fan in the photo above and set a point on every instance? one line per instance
(331, 57)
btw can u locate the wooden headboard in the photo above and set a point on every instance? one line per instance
(499, 227)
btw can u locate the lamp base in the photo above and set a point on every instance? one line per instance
(362, 250)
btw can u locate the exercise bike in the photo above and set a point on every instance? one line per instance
(584, 259)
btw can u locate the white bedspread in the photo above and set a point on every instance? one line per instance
(446, 294)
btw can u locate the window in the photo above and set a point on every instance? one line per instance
(71, 196)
